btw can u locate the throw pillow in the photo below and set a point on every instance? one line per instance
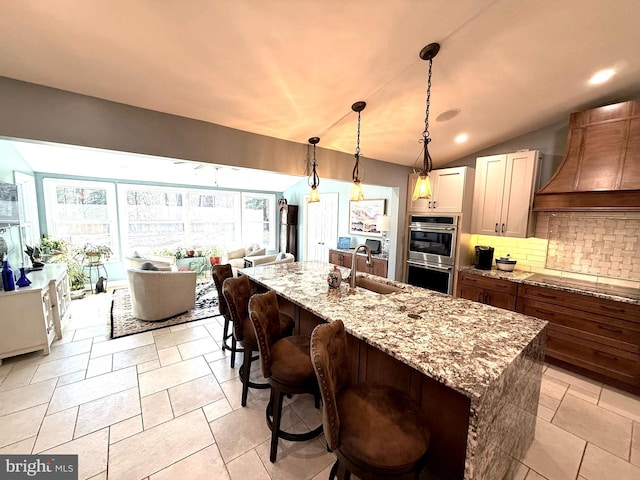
(148, 266)
(281, 256)
(239, 253)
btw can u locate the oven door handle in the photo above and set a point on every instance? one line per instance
(424, 265)
(422, 228)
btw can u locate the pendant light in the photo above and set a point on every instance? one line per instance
(314, 180)
(423, 185)
(357, 193)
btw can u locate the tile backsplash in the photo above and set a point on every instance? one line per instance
(595, 244)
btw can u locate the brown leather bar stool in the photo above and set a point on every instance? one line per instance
(237, 292)
(220, 273)
(376, 431)
(285, 364)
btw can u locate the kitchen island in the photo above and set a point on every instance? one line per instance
(474, 369)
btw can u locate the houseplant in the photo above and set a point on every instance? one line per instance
(214, 254)
(61, 251)
(94, 254)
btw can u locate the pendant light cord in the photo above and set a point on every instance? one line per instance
(427, 165)
(356, 170)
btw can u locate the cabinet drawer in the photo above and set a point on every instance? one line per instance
(489, 297)
(599, 328)
(611, 362)
(496, 284)
(623, 311)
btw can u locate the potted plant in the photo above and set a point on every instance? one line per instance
(214, 255)
(93, 254)
(60, 251)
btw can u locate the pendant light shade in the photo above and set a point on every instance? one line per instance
(423, 185)
(357, 192)
(314, 180)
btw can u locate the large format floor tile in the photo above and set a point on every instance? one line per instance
(25, 397)
(620, 402)
(61, 367)
(599, 464)
(554, 453)
(56, 429)
(92, 451)
(122, 344)
(107, 411)
(154, 449)
(172, 375)
(203, 465)
(92, 388)
(597, 425)
(19, 425)
(194, 394)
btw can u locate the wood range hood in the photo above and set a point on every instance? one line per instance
(601, 167)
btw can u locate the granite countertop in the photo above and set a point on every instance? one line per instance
(556, 282)
(462, 344)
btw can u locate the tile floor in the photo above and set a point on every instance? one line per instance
(166, 404)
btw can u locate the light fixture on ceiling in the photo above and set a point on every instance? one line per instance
(463, 137)
(423, 185)
(357, 193)
(314, 180)
(602, 76)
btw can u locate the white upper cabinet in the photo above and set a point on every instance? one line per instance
(503, 194)
(448, 190)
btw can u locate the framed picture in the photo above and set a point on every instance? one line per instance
(363, 216)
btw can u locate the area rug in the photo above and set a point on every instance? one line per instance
(123, 322)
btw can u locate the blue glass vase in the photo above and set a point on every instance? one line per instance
(8, 281)
(23, 281)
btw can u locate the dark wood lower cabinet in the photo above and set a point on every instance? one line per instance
(497, 292)
(595, 337)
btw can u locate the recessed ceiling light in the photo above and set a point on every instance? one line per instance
(602, 76)
(463, 137)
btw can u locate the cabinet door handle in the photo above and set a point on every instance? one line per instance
(496, 229)
(434, 204)
(610, 328)
(429, 204)
(480, 299)
(612, 309)
(546, 295)
(502, 230)
(605, 355)
(485, 298)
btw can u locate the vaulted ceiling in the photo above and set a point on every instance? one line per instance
(292, 69)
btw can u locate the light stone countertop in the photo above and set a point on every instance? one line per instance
(462, 344)
(557, 282)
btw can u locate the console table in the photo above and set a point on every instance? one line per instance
(33, 316)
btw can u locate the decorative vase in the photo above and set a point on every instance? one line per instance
(8, 280)
(23, 281)
(334, 279)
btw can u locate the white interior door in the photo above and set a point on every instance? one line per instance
(321, 221)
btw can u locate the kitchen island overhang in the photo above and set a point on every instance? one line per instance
(475, 369)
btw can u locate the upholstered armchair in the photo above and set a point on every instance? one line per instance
(160, 294)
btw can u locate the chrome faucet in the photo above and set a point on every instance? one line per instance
(352, 278)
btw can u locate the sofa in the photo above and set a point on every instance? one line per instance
(236, 257)
(159, 294)
(276, 258)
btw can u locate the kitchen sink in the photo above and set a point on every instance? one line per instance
(377, 287)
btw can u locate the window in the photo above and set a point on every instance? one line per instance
(29, 227)
(81, 212)
(258, 219)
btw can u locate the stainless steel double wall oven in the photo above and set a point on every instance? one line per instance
(431, 251)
